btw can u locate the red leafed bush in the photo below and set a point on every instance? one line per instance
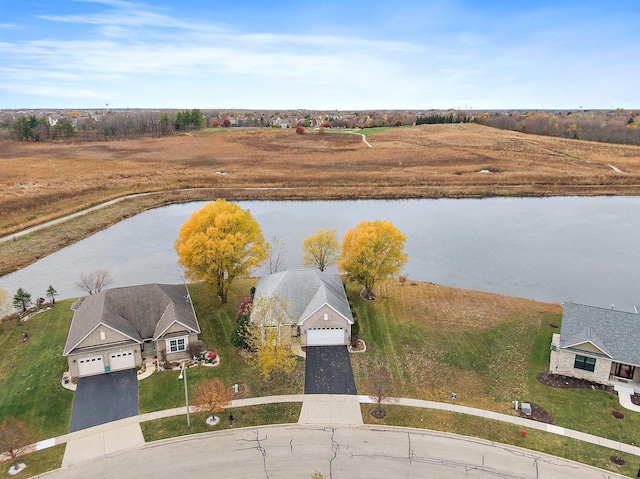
(300, 130)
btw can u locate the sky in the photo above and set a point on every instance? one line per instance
(324, 55)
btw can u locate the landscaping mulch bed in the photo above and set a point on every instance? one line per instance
(538, 414)
(635, 399)
(566, 382)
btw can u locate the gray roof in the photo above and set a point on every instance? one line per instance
(305, 291)
(139, 312)
(616, 333)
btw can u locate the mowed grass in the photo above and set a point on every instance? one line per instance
(488, 349)
(504, 433)
(163, 390)
(31, 371)
(242, 417)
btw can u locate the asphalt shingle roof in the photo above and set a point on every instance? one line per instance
(140, 312)
(617, 333)
(305, 291)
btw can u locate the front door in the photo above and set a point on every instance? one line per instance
(624, 371)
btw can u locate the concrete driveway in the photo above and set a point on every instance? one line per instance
(104, 398)
(328, 371)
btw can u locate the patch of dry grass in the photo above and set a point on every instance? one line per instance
(440, 340)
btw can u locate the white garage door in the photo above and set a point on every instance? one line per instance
(122, 360)
(325, 336)
(90, 366)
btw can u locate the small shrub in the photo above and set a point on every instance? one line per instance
(300, 130)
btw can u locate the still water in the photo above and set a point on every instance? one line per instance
(550, 249)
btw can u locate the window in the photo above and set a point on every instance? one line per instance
(176, 345)
(583, 362)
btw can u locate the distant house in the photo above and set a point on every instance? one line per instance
(317, 309)
(115, 329)
(598, 344)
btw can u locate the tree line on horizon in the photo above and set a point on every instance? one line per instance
(612, 126)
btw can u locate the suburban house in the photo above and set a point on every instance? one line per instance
(598, 344)
(315, 306)
(115, 329)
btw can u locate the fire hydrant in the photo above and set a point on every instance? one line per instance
(524, 433)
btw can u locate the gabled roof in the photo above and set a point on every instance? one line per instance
(615, 333)
(138, 312)
(304, 291)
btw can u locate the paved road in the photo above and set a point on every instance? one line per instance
(327, 370)
(104, 398)
(295, 451)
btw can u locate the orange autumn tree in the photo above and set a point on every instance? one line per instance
(220, 243)
(371, 252)
(15, 439)
(213, 396)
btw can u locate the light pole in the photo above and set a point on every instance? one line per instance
(183, 374)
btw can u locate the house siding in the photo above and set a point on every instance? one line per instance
(162, 347)
(562, 361)
(334, 320)
(111, 336)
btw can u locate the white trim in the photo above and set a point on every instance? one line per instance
(349, 321)
(575, 346)
(176, 339)
(70, 351)
(189, 328)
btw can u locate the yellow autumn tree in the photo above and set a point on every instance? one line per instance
(269, 336)
(321, 249)
(371, 252)
(220, 243)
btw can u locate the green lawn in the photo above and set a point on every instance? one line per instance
(30, 372)
(489, 350)
(242, 417)
(163, 390)
(505, 434)
(435, 340)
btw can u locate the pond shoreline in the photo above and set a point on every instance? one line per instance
(24, 247)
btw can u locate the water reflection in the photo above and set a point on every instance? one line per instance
(550, 249)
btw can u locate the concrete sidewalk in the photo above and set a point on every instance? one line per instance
(334, 409)
(316, 409)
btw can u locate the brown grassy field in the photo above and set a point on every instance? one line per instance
(42, 181)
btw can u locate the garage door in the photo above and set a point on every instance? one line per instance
(325, 336)
(90, 366)
(122, 360)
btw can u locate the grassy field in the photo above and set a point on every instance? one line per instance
(42, 181)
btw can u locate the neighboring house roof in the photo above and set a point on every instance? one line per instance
(138, 312)
(304, 291)
(615, 333)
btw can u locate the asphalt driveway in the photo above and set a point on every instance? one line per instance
(328, 371)
(104, 398)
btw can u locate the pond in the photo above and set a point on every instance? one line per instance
(550, 249)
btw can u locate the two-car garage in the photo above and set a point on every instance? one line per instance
(95, 364)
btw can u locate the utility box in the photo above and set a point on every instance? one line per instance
(526, 408)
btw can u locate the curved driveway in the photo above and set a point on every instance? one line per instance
(296, 451)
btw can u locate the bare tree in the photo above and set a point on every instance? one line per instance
(15, 438)
(95, 281)
(380, 385)
(277, 256)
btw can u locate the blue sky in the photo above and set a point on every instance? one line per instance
(348, 55)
